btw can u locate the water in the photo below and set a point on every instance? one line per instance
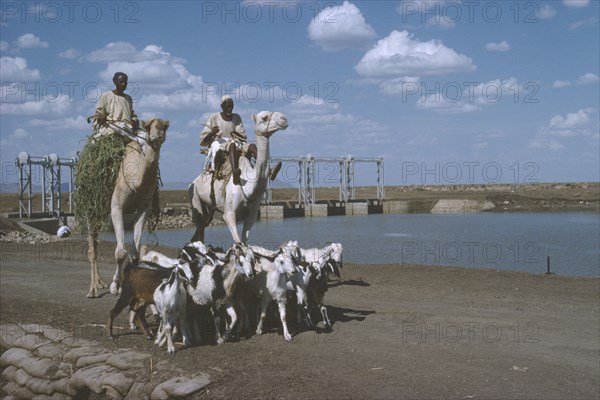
(511, 241)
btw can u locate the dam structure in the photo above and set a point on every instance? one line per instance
(341, 171)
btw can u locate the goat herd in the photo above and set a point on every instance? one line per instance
(234, 284)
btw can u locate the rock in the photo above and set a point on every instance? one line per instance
(63, 386)
(9, 333)
(19, 392)
(461, 206)
(57, 335)
(91, 377)
(21, 377)
(180, 387)
(128, 359)
(40, 386)
(139, 390)
(119, 382)
(76, 353)
(90, 360)
(31, 341)
(50, 350)
(44, 368)
(14, 356)
(8, 373)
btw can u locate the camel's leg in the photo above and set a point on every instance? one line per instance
(200, 217)
(120, 252)
(229, 217)
(248, 224)
(95, 282)
(138, 229)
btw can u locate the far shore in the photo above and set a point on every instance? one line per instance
(569, 196)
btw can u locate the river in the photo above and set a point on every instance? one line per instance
(504, 241)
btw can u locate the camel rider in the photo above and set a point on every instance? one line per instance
(224, 132)
(114, 112)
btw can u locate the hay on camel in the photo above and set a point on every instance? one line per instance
(96, 170)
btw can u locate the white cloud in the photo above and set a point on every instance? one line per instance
(69, 54)
(403, 85)
(438, 104)
(78, 123)
(479, 145)
(399, 54)
(456, 99)
(502, 46)
(572, 125)
(149, 75)
(181, 100)
(440, 13)
(588, 79)
(14, 69)
(19, 134)
(546, 11)
(4, 46)
(126, 52)
(576, 3)
(30, 41)
(423, 140)
(316, 124)
(544, 143)
(592, 21)
(560, 84)
(339, 27)
(59, 105)
(150, 69)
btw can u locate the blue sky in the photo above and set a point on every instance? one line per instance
(446, 91)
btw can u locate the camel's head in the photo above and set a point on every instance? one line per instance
(269, 122)
(157, 130)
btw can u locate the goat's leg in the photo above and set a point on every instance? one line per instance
(307, 316)
(243, 323)
(160, 334)
(185, 331)
(216, 313)
(326, 320)
(121, 304)
(233, 315)
(141, 317)
(282, 316)
(168, 329)
(264, 302)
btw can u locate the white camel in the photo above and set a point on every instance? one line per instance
(208, 195)
(133, 193)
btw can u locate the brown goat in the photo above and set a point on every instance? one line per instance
(137, 291)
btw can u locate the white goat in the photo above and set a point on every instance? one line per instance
(190, 254)
(310, 283)
(333, 252)
(170, 298)
(270, 283)
(215, 286)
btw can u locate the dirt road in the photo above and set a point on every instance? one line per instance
(400, 331)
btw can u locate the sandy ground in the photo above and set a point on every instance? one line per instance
(400, 331)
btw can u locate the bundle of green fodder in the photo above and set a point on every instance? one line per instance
(95, 177)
